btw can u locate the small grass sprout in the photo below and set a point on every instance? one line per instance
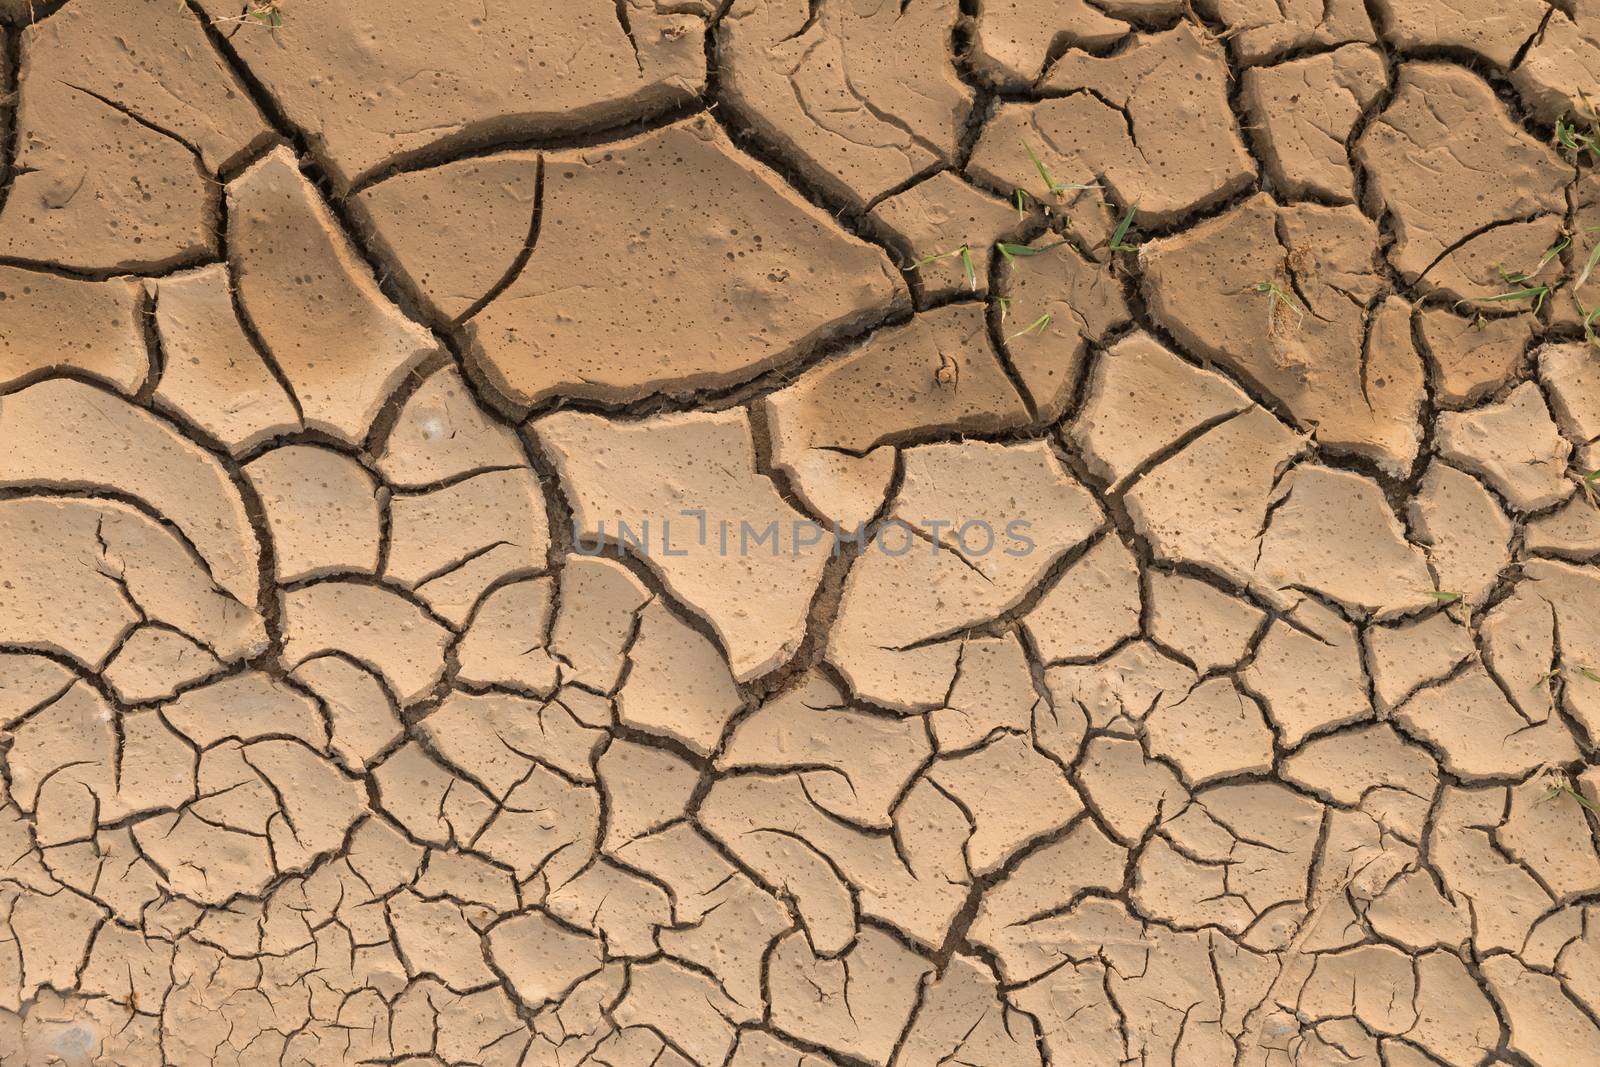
(1561, 785)
(967, 266)
(1575, 141)
(1021, 199)
(1279, 297)
(1044, 172)
(1589, 485)
(1119, 241)
(1443, 596)
(1536, 293)
(1590, 263)
(267, 14)
(1037, 326)
(1051, 186)
(1522, 287)
(1004, 304)
(1589, 674)
(1284, 313)
(1522, 282)
(1545, 679)
(1550, 254)
(1590, 316)
(1011, 252)
(258, 12)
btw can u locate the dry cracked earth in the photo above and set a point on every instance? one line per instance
(334, 336)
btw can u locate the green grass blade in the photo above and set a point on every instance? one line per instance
(1562, 786)
(1117, 243)
(1038, 325)
(1051, 186)
(935, 257)
(1278, 294)
(1589, 316)
(1552, 252)
(1536, 292)
(1011, 251)
(1588, 266)
(1038, 165)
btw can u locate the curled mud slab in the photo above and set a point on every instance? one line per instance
(423, 642)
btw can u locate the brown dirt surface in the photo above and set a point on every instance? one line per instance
(799, 533)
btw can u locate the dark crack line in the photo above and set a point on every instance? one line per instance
(517, 265)
(1488, 227)
(154, 127)
(10, 97)
(627, 31)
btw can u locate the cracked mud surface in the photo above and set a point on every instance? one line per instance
(329, 351)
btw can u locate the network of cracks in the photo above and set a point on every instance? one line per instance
(335, 336)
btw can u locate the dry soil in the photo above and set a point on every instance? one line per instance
(335, 335)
